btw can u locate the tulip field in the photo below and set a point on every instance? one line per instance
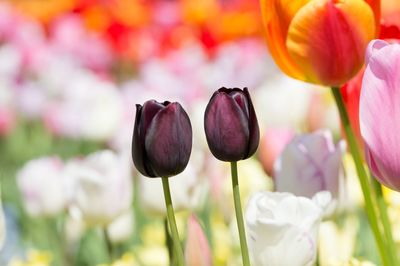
(199, 133)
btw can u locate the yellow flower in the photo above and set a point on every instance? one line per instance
(34, 258)
(126, 260)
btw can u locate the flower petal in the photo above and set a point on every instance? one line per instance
(226, 128)
(380, 113)
(277, 15)
(328, 39)
(169, 141)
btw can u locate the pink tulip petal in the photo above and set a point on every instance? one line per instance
(197, 249)
(380, 112)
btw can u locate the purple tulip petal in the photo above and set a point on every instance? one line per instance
(226, 128)
(169, 141)
(144, 116)
(241, 100)
(380, 112)
(254, 139)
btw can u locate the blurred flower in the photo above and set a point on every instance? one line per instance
(122, 227)
(7, 112)
(273, 141)
(322, 112)
(103, 186)
(231, 125)
(337, 243)
(242, 63)
(350, 194)
(392, 199)
(43, 186)
(84, 107)
(188, 192)
(379, 118)
(153, 255)
(299, 35)
(10, 61)
(162, 139)
(282, 228)
(282, 102)
(44, 11)
(7, 121)
(310, 163)
(31, 100)
(126, 260)
(34, 258)
(357, 262)
(197, 249)
(74, 228)
(68, 35)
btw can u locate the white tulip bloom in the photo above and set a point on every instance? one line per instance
(310, 163)
(282, 228)
(121, 228)
(103, 186)
(43, 186)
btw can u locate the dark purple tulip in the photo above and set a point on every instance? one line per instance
(162, 139)
(231, 125)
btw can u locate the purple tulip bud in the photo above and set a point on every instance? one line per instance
(231, 125)
(162, 139)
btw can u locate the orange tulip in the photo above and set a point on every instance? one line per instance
(320, 41)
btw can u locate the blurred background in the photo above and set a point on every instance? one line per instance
(71, 73)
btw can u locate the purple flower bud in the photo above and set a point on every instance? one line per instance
(231, 125)
(162, 139)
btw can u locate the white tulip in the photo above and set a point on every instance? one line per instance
(282, 228)
(310, 163)
(43, 186)
(103, 186)
(282, 102)
(121, 228)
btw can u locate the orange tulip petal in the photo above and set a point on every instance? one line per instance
(328, 39)
(277, 15)
(376, 8)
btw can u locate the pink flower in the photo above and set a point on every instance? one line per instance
(197, 250)
(70, 36)
(272, 144)
(379, 112)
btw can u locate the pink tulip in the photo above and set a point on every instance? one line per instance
(379, 112)
(197, 249)
(272, 144)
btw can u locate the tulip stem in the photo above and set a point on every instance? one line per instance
(362, 175)
(108, 244)
(387, 228)
(168, 242)
(172, 222)
(239, 214)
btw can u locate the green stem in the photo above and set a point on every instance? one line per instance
(168, 242)
(239, 214)
(172, 222)
(109, 245)
(362, 175)
(387, 228)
